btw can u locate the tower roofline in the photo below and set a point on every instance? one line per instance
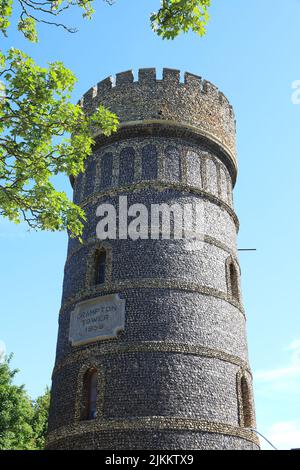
(193, 103)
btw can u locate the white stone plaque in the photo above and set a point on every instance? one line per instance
(97, 319)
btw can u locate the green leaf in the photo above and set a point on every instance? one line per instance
(180, 16)
(28, 27)
(43, 134)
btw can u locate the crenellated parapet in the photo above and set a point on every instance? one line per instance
(194, 105)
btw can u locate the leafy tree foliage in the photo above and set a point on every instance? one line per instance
(40, 11)
(40, 419)
(16, 412)
(173, 17)
(23, 423)
(37, 117)
(177, 16)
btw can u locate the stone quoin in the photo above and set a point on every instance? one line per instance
(175, 373)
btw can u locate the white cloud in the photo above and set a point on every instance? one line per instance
(279, 388)
(283, 435)
(290, 371)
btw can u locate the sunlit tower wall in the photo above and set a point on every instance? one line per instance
(177, 375)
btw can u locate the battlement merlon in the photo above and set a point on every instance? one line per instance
(194, 104)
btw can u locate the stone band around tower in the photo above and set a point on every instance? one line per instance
(195, 107)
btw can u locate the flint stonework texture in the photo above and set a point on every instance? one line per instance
(178, 376)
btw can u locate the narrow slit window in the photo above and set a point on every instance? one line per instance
(92, 405)
(234, 283)
(246, 404)
(89, 395)
(100, 267)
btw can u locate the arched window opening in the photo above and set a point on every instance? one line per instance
(106, 171)
(100, 267)
(89, 395)
(246, 404)
(149, 162)
(126, 166)
(211, 177)
(172, 164)
(233, 281)
(193, 163)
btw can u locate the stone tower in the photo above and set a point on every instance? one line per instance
(151, 350)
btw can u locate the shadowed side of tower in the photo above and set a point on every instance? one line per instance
(176, 374)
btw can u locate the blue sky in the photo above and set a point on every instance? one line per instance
(251, 52)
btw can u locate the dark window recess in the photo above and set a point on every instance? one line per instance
(106, 170)
(92, 408)
(234, 284)
(149, 162)
(89, 178)
(89, 395)
(100, 267)
(126, 170)
(246, 403)
(172, 164)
